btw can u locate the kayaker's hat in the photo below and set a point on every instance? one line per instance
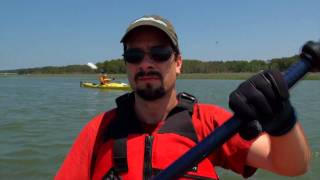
(157, 22)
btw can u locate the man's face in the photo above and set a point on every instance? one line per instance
(151, 79)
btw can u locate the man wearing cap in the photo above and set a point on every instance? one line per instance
(154, 125)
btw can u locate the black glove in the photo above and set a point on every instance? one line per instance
(311, 51)
(262, 102)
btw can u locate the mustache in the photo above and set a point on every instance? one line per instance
(149, 73)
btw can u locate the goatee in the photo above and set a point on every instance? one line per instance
(149, 92)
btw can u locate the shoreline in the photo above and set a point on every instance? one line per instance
(220, 76)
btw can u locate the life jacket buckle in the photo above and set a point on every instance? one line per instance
(187, 101)
(187, 96)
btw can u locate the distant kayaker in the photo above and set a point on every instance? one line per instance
(154, 125)
(103, 78)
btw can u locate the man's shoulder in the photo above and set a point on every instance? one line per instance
(102, 118)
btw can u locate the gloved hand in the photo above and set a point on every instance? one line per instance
(262, 103)
(311, 51)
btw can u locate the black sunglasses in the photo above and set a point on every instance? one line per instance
(158, 54)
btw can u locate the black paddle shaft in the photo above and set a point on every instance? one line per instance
(310, 58)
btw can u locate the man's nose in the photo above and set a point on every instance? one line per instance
(147, 61)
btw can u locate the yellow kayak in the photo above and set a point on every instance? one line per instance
(111, 85)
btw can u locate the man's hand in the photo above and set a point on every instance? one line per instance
(262, 102)
(311, 51)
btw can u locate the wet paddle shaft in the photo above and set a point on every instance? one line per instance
(310, 59)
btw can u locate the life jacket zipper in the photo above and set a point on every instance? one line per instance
(147, 165)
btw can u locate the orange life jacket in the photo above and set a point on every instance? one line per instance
(130, 153)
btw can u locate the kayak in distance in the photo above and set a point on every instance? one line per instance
(111, 85)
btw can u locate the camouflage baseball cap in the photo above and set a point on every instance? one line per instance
(155, 21)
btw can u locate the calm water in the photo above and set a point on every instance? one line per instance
(41, 116)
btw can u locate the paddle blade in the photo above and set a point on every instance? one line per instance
(92, 66)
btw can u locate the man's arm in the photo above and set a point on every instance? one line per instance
(287, 155)
(77, 164)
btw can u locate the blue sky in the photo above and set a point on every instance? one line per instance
(36, 33)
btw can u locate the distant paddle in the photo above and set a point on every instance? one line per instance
(92, 66)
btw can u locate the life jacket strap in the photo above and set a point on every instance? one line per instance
(120, 155)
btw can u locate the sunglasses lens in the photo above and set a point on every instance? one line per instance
(160, 54)
(133, 56)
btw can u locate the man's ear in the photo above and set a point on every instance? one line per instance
(178, 64)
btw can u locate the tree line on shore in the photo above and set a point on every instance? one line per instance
(117, 66)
